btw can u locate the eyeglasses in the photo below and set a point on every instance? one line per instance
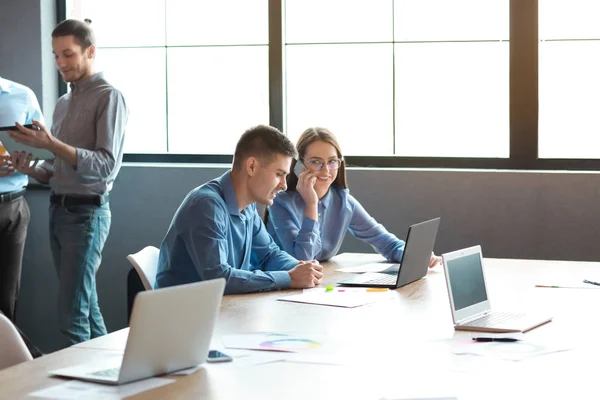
(316, 164)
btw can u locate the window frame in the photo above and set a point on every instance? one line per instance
(523, 107)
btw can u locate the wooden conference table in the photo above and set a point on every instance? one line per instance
(398, 348)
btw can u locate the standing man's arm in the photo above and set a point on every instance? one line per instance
(110, 130)
(22, 163)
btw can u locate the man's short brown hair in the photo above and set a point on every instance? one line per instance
(83, 33)
(263, 142)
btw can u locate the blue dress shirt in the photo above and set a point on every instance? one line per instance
(307, 239)
(17, 104)
(210, 238)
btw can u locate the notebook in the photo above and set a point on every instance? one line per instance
(170, 330)
(414, 264)
(471, 308)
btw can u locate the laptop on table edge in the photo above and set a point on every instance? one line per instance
(160, 340)
(469, 302)
(420, 240)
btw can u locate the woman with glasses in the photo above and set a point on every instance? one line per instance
(310, 219)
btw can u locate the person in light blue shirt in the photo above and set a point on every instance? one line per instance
(17, 104)
(311, 218)
(216, 232)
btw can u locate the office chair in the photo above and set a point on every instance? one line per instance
(14, 351)
(143, 274)
(145, 263)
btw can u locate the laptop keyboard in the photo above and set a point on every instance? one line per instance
(494, 319)
(108, 373)
(375, 278)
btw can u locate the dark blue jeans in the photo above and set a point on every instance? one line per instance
(77, 237)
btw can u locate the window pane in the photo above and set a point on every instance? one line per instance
(427, 20)
(346, 88)
(215, 94)
(452, 99)
(569, 90)
(123, 23)
(325, 21)
(144, 92)
(569, 19)
(197, 22)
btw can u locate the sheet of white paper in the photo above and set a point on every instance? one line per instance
(387, 268)
(326, 359)
(273, 342)
(340, 297)
(510, 351)
(76, 390)
(257, 358)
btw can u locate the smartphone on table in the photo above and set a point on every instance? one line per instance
(215, 356)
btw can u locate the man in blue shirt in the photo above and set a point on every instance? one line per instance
(17, 104)
(217, 232)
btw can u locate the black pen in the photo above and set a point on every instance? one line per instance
(591, 283)
(493, 339)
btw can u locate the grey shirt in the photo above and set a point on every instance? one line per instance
(91, 118)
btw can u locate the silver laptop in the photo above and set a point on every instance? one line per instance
(471, 308)
(414, 264)
(170, 330)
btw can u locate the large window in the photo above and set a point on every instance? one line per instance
(194, 73)
(569, 79)
(418, 78)
(417, 83)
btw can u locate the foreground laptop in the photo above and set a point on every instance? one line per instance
(170, 329)
(471, 309)
(414, 264)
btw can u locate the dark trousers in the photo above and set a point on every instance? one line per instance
(14, 219)
(134, 286)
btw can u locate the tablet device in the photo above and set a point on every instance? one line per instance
(12, 146)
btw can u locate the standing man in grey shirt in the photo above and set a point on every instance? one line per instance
(87, 139)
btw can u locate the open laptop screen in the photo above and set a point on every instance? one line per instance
(466, 281)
